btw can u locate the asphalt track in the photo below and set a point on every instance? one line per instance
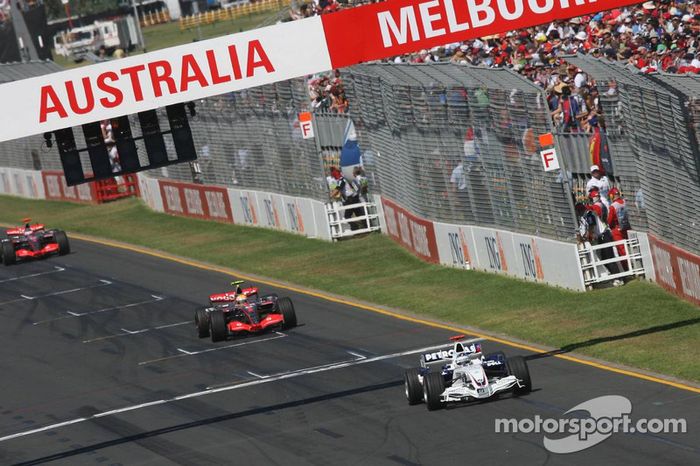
(100, 365)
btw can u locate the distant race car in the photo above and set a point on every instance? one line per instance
(243, 311)
(463, 373)
(32, 242)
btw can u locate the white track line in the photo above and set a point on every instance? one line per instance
(256, 375)
(211, 391)
(57, 293)
(99, 311)
(22, 277)
(126, 332)
(209, 350)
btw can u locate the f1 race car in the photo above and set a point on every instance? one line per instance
(32, 242)
(242, 312)
(463, 373)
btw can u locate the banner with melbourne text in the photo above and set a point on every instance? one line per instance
(263, 56)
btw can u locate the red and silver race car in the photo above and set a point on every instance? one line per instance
(243, 311)
(32, 242)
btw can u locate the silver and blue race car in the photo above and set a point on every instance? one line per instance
(463, 373)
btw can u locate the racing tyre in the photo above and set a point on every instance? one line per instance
(517, 366)
(433, 386)
(62, 240)
(217, 326)
(413, 387)
(201, 321)
(8, 253)
(286, 308)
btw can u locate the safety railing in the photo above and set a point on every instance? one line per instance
(597, 270)
(341, 227)
(233, 12)
(116, 188)
(152, 18)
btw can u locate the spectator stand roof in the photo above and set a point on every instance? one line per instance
(15, 71)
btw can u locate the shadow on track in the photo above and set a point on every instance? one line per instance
(596, 341)
(140, 436)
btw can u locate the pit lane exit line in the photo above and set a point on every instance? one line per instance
(211, 391)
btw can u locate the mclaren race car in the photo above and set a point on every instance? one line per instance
(463, 373)
(242, 312)
(32, 242)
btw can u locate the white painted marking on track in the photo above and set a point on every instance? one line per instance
(357, 355)
(57, 293)
(256, 375)
(209, 350)
(32, 275)
(210, 391)
(99, 311)
(126, 332)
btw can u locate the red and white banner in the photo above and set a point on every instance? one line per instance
(676, 270)
(56, 188)
(412, 232)
(263, 56)
(196, 200)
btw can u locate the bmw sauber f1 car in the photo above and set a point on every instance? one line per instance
(463, 373)
(32, 242)
(243, 311)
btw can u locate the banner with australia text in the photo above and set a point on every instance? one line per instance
(263, 56)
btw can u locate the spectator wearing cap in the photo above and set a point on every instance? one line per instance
(618, 220)
(599, 182)
(597, 206)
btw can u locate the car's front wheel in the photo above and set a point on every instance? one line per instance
(433, 386)
(517, 366)
(286, 308)
(62, 241)
(217, 325)
(412, 386)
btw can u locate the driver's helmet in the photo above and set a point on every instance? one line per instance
(241, 299)
(27, 229)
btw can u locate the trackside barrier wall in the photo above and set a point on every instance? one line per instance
(468, 247)
(676, 270)
(243, 207)
(22, 183)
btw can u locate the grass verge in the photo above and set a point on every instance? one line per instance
(637, 325)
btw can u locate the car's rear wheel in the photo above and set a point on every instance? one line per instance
(433, 386)
(201, 321)
(62, 241)
(412, 386)
(286, 308)
(517, 366)
(217, 326)
(8, 253)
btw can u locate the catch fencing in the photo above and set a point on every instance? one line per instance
(452, 144)
(654, 120)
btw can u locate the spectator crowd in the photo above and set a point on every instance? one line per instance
(653, 36)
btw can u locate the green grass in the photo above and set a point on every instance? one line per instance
(638, 325)
(166, 35)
